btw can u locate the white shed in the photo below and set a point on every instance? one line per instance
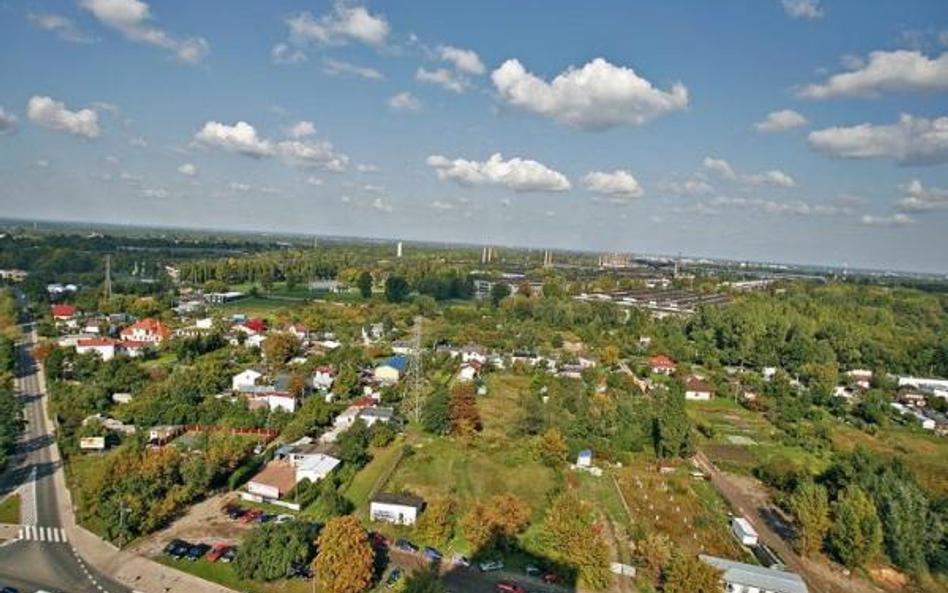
(398, 509)
(744, 531)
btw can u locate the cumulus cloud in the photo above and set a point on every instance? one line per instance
(132, 19)
(284, 54)
(404, 101)
(381, 205)
(343, 24)
(898, 219)
(900, 70)
(918, 198)
(61, 26)
(794, 208)
(910, 141)
(691, 186)
(618, 186)
(446, 79)
(314, 181)
(302, 129)
(155, 192)
(53, 114)
(777, 121)
(366, 168)
(465, 60)
(339, 67)
(188, 169)
(239, 186)
(723, 169)
(7, 122)
(521, 175)
(595, 97)
(803, 9)
(242, 138)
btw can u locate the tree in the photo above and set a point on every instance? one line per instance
(436, 525)
(498, 292)
(364, 283)
(688, 574)
(279, 348)
(345, 560)
(856, 535)
(568, 534)
(672, 428)
(809, 504)
(436, 417)
(909, 526)
(465, 419)
(489, 527)
(270, 551)
(552, 448)
(353, 444)
(396, 289)
(478, 530)
(424, 580)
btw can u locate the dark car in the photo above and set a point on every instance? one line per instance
(264, 518)
(404, 544)
(300, 571)
(532, 570)
(197, 552)
(234, 512)
(393, 578)
(9, 590)
(228, 556)
(433, 554)
(177, 549)
(509, 587)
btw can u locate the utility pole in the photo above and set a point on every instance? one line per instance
(415, 376)
(107, 288)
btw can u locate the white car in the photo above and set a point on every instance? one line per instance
(491, 565)
(281, 519)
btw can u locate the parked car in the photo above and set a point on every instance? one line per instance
(433, 554)
(177, 549)
(509, 587)
(532, 570)
(404, 544)
(234, 512)
(491, 565)
(228, 556)
(393, 578)
(300, 571)
(251, 516)
(461, 560)
(197, 552)
(281, 519)
(216, 552)
(378, 539)
(9, 590)
(551, 578)
(264, 518)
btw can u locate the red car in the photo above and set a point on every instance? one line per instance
(216, 551)
(251, 516)
(509, 587)
(378, 539)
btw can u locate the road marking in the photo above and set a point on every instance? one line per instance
(28, 500)
(52, 535)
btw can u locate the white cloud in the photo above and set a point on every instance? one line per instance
(619, 186)
(302, 129)
(692, 186)
(521, 175)
(238, 186)
(404, 101)
(373, 188)
(7, 122)
(340, 26)
(595, 97)
(444, 78)
(891, 220)
(138, 142)
(381, 205)
(53, 115)
(155, 192)
(188, 169)
(284, 54)
(366, 168)
(465, 60)
(900, 70)
(918, 198)
(910, 141)
(440, 205)
(42, 163)
(61, 26)
(314, 181)
(803, 9)
(943, 37)
(794, 208)
(773, 177)
(131, 18)
(240, 138)
(777, 121)
(338, 67)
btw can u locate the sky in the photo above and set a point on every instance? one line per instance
(799, 131)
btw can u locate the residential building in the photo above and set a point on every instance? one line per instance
(469, 372)
(398, 509)
(390, 371)
(324, 377)
(274, 481)
(697, 390)
(245, 380)
(738, 577)
(661, 365)
(147, 330)
(374, 414)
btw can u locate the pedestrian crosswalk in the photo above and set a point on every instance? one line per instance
(37, 533)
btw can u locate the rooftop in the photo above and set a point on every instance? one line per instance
(408, 500)
(765, 579)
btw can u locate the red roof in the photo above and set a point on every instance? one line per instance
(696, 384)
(363, 402)
(661, 361)
(64, 311)
(256, 324)
(95, 342)
(152, 326)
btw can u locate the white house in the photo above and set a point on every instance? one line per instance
(862, 377)
(104, 348)
(738, 577)
(374, 414)
(698, 390)
(472, 353)
(743, 531)
(281, 401)
(245, 380)
(275, 480)
(469, 372)
(390, 371)
(398, 509)
(324, 377)
(316, 467)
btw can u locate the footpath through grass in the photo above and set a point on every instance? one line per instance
(10, 510)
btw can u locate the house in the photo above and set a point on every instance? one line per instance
(661, 365)
(585, 458)
(844, 391)
(697, 390)
(403, 347)
(274, 480)
(372, 332)
(297, 329)
(912, 398)
(469, 372)
(64, 313)
(316, 467)
(279, 400)
(390, 371)
(768, 373)
(738, 577)
(472, 353)
(245, 379)
(252, 327)
(374, 414)
(164, 433)
(324, 377)
(147, 330)
(743, 531)
(122, 398)
(104, 348)
(398, 509)
(861, 377)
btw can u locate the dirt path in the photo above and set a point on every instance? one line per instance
(747, 498)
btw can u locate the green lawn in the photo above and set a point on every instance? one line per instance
(10, 510)
(255, 306)
(224, 574)
(360, 488)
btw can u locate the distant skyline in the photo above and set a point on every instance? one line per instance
(798, 131)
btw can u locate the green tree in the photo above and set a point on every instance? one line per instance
(498, 292)
(435, 417)
(552, 448)
(436, 525)
(396, 289)
(856, 535)
(345, 560)
(688, 574)
(568, 535)
(270, 551)
(424, 580)
(672, 428)
(909, 527)
(364, 283)
(279, 348)
(809, 504)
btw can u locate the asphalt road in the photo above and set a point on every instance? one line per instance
(41, 558)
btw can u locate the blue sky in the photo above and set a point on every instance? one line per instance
(799, 130)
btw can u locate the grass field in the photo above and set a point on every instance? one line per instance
(10, 510)
(360, 488)
(224, 574)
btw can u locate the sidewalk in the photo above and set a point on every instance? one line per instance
(134, 571)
